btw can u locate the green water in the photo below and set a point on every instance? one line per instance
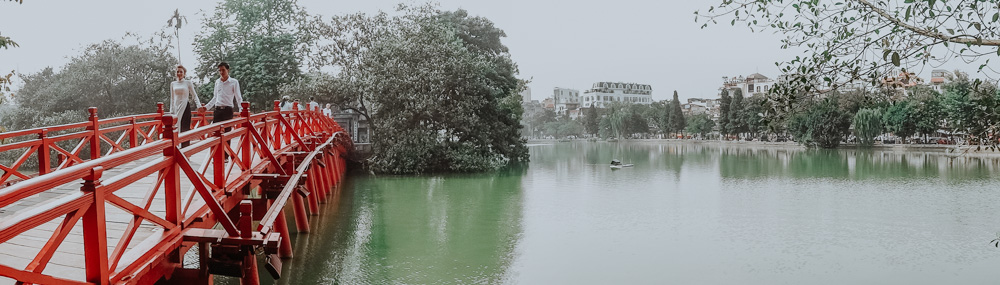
(685, 214)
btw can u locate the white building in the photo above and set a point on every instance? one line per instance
(752, 85)
(526, 95)
(603, 93)
(566, 100)
(938, 78)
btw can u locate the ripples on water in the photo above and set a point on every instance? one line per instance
(685, 214)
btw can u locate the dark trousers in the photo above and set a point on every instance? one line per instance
(222, 114)
(186, 122)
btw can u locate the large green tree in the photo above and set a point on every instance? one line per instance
(900, 119)
(438, 88)
(821, 124)
(591, 120)
(867, 125)
(972, 109)
(852, 40)
(737, 118)
(677, 122)
(724, 104)
(700, 124)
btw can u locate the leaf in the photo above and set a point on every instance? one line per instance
(895, 58)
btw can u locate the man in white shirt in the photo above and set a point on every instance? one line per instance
(227, 97)
(312, 103)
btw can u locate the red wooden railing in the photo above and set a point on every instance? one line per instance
(258, 162)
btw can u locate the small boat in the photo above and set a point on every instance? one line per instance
(617, 164)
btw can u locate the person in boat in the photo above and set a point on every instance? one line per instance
(616, 162)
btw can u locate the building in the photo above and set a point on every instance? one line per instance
(548, 104)
(899, 84)
(940, 77)
(566, 101)
(526, 95)
(752, 85)
(603, 93)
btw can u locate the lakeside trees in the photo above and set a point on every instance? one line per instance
(438, 88)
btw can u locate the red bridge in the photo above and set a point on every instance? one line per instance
(143, 207)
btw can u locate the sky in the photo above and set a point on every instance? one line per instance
(567, 44)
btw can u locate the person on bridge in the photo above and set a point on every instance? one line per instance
(227, 97)
(286, 104)
(327, 111)
(312, 104)
(182, 92)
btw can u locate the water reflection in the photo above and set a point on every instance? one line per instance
(454, 229)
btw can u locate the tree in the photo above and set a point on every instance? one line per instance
(724, 103)
(822, 124)
(971, 109)
(659, 114)
(677, 122)
(700, 124)
(262, 40)
(438, 88)
(900, 119)
(754, 114)
(591, 120)
(737, 119)
(117, 79)
(867, 125)
(929, 113)
(864, 40)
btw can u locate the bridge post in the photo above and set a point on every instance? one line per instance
(171, 178)
(301, 219)
(133, 135)
(159, 110)
(43, 153)
(95, 137)
(246, 146)
(285, 248)
(95, 234)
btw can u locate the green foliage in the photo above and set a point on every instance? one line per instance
(971, 109)
(701, 124)
(724, 108)
(929, 114)
(754, 114)
(867, 125)
(822, 124)
(900, 119)
(564, 128)
(438, 88)
(677, 122)
(263, 42)
(591, 120)
(737, 117)
(659, 114)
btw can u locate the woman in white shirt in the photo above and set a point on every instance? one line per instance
(181, 94)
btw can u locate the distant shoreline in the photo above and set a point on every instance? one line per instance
(947, 150)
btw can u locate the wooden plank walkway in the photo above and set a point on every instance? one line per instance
(68, 261)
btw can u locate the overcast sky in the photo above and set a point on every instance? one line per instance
(569, 44)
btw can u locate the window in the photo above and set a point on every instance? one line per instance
(750, 88)
(758, 89)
